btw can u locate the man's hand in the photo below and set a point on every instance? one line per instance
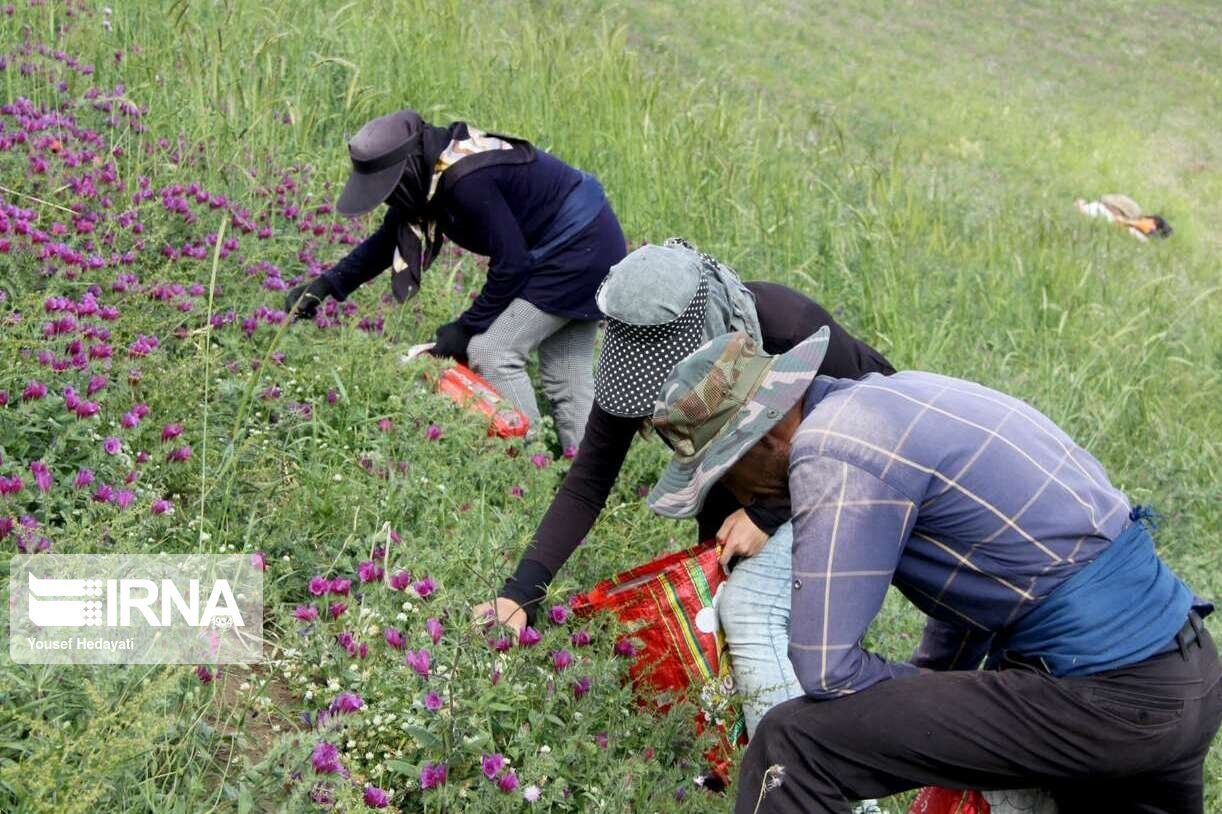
(504, 610)
(738, 536)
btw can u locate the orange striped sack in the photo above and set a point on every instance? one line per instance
(673, 635)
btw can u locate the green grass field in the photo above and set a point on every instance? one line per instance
(912, 166)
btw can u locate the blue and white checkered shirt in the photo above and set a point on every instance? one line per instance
(971, 502)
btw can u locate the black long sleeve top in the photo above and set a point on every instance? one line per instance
(501, 212)
(786, 318)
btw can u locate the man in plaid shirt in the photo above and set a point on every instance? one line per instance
(1101, 682)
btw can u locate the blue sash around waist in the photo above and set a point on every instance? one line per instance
(1121, 608)
(579, 209)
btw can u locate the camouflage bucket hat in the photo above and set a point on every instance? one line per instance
(717, 404)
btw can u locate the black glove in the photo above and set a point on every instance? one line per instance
(303, 301)
(452, 340)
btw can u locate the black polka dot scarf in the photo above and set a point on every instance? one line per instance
(637, 359)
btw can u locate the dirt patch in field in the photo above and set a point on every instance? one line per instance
(247, 725)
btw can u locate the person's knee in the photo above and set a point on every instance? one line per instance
(784, 730)
(486, 354)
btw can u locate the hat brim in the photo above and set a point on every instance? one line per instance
(364, 191)
(636, 360)
(686, 482)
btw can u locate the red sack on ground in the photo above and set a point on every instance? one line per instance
(668, 606)
(933, 800)
(468, 388)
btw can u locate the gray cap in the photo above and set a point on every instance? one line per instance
(379, 152)
(651, 286)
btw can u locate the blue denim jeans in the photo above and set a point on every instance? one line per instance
(754, 614)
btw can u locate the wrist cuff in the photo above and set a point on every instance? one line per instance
(527, 586)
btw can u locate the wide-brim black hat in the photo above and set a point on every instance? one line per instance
(379, 153)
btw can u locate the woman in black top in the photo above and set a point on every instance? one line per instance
(547, 229)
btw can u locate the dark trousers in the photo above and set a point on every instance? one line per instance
(1126, 740)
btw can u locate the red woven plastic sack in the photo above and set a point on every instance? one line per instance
(468, 388)
(933, 800)
(668, 606)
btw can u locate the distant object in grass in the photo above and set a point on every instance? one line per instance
(1124, 211)
(467, 388)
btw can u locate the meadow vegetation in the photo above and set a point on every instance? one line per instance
(167, 170)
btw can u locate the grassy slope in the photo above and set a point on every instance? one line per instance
(991, 121)
(912, 168)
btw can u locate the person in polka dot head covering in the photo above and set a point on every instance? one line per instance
(662, 302)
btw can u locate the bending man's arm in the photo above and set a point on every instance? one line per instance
(849, 532)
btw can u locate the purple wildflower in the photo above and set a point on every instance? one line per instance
(305, 613)
(318, 585)
(581, 638)
(346, 702)
(492, 764)
(369, 571)
(259, 560)
(376, 797)
(581, 686)
(508, 781)
(625, 648)
(432, 701)
(558, 614)
(562, 659)
(418, 660)
(432, 775)
(42, 475)
(325, 758)
(434, 629)
(394, 637)
(433, 432)
(112, 445)
(424, 588)
(529, 637)
(162, 506)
